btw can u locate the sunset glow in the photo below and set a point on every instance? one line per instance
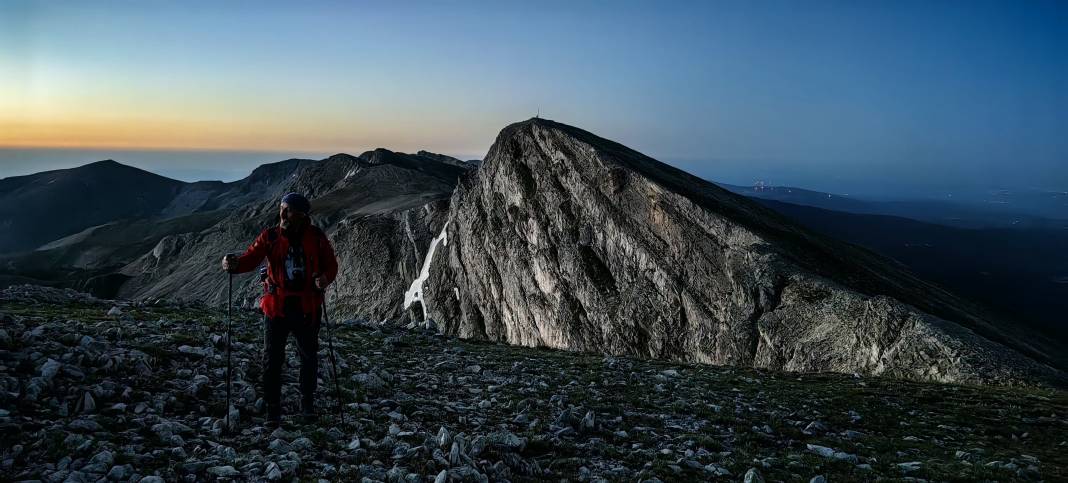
(834, 91)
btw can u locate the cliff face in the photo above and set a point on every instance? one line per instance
(567, 240)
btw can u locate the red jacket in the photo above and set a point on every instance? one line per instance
(273, 244)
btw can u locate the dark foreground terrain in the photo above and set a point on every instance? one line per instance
(137, 395)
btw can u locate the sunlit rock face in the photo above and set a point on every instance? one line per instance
(564, 239)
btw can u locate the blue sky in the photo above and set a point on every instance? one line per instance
(830, 95)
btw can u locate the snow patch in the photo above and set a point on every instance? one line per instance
(352, 172)
(415, 291)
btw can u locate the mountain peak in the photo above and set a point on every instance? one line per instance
(615, 251)
(445, 159)
(562, 142)
(111, 164)
(105, 162)
(109, 170)
(278, 167)
(52, 204)
(377, 155)
(342, 157)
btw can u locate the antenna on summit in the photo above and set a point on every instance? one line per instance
(538, 115)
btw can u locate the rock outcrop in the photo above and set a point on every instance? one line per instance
(377, 209)
(567, 240)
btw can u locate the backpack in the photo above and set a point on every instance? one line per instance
(272, 236)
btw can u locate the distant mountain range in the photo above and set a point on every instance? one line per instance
(1013, 263)
(47, 206)
(1001, 209)
(1019, 272)
(560, 238)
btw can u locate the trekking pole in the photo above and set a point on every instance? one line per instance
(333, 361)
(229, 307)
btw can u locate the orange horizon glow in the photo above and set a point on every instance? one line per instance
(145, 136)
(154, 135)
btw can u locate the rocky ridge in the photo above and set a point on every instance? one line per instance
(567, 240)
(374, 207)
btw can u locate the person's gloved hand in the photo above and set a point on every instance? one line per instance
(229, 262)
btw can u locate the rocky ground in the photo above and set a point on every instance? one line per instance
(92, 390)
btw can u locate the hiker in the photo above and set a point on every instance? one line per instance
(300, 265)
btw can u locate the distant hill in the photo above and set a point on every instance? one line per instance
(999, 210)
(42, 207)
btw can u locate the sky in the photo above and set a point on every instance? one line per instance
(840, 96)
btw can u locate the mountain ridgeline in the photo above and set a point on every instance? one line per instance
(563, 239)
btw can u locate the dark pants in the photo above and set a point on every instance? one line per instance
(275, 335)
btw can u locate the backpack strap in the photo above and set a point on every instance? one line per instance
(272, 237)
